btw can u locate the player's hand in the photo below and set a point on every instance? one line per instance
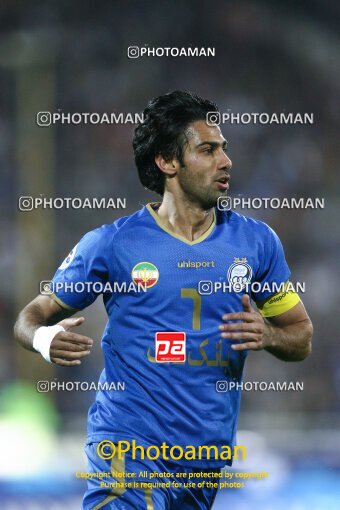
(67, 348)
(252, 332)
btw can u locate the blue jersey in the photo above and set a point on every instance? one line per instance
(165, 297)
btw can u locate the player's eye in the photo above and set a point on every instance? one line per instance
(209, 150)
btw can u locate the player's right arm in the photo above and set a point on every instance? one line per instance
(45, 324)
(67, 347)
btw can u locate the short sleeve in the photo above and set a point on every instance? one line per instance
(83, 274)
(273, 269)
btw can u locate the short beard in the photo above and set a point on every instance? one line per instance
(204, 199)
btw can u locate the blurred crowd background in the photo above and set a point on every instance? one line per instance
(271, 56)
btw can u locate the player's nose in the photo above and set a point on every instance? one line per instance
(225, 162)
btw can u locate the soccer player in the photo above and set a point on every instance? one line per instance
(181, 327)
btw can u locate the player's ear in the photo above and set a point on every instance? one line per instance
(170, 167)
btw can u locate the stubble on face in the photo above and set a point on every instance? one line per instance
(196, 175)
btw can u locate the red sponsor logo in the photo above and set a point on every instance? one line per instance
(170, 347)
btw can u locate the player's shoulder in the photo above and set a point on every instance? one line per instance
(247, 223)
(108, 232)
(131, 221)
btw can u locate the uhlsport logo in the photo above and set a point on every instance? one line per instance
(239, 274)
(145, 273)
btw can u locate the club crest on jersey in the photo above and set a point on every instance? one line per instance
(145, 273)
(69, 258)
(239, 274)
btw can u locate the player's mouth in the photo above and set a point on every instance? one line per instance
(223, 182)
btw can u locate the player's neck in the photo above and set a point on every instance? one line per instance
(184, 217)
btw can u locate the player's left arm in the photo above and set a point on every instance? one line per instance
(287, 336)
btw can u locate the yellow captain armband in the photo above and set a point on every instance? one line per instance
(278, 303)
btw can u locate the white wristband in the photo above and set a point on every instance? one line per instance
(43, 338)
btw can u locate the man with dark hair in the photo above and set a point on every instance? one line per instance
(164, 132)
(176, 341)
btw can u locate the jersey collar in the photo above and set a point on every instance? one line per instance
(154, 205)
